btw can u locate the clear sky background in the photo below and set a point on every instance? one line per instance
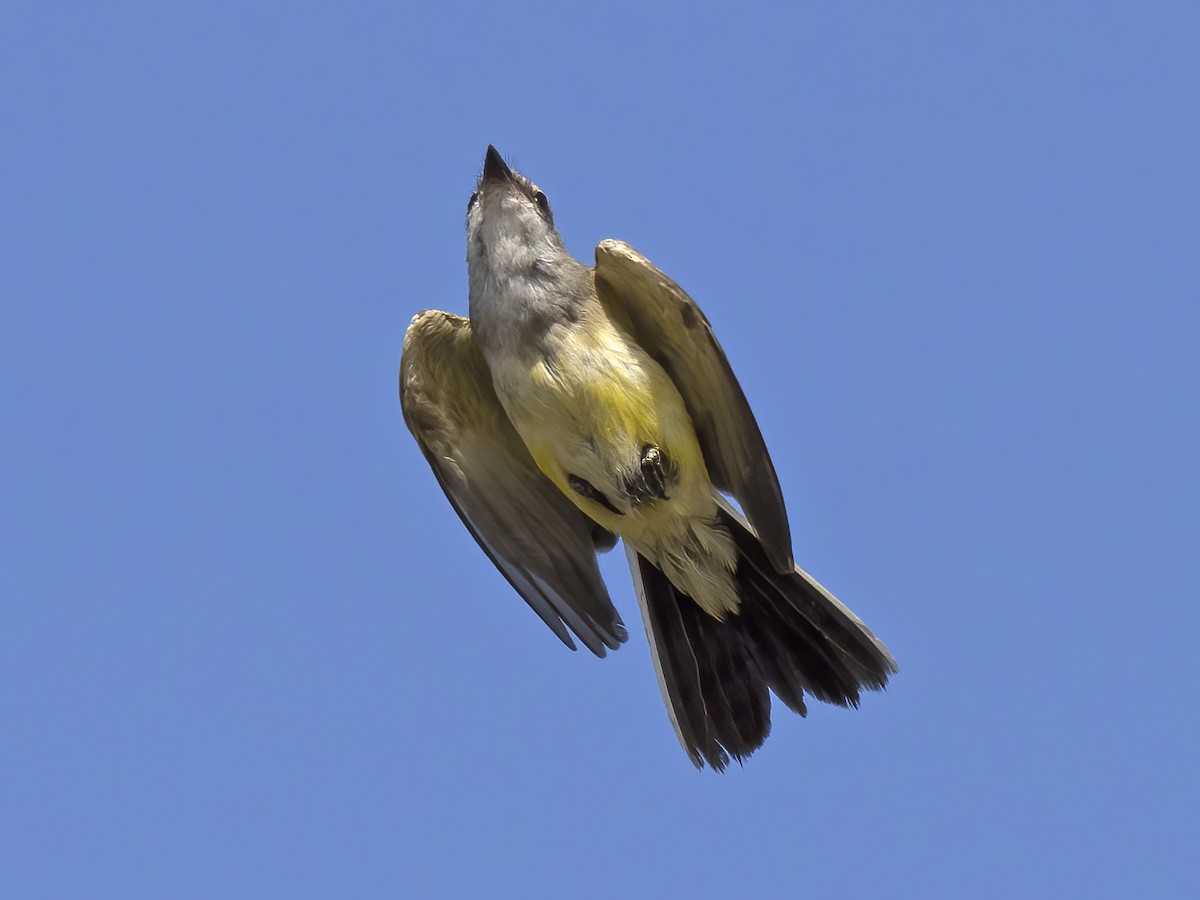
(248, 651)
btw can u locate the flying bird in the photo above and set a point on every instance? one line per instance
(581, 404)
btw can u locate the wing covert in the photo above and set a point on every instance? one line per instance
(669, 325)
(536, 537)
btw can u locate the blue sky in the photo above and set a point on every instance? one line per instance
(248, 650)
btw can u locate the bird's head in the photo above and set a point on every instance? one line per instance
(510, 228)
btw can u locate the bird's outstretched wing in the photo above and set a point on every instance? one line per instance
(538, 540)
(669, 326)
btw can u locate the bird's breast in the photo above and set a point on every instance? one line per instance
(584, 383)
(606, 424)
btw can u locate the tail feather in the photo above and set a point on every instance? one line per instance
(716, 696)
(790, 636)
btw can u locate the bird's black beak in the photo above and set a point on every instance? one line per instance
(495, 168)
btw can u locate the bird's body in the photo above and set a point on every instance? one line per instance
(615, 398)
(588, 426)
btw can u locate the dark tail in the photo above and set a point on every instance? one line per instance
(790, 636)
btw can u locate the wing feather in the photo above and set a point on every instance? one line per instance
(669, 325)
(536, 537)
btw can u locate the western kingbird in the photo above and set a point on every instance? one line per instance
(580, 404)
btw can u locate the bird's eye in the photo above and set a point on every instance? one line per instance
(474, 199)
(542, 203)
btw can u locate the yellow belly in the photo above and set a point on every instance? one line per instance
(588, 410)
(591, 410)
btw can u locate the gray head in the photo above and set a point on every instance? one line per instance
(510, 228)
(522, 279)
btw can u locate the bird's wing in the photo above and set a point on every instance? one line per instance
(669, 326)
(538, 540)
